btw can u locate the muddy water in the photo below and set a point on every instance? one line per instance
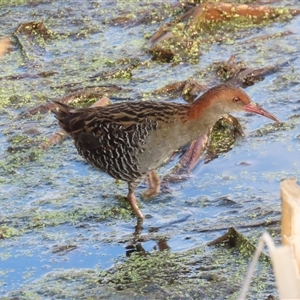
(64, 223)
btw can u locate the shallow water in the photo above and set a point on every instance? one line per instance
(54, 199)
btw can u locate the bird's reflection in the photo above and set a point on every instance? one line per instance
(138, 239)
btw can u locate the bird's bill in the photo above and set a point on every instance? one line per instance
(256, 109)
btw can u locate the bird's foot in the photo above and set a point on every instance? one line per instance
(154, 185)
(150, 193)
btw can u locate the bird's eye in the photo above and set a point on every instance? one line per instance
(236, 99)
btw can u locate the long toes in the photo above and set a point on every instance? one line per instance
(150, 193)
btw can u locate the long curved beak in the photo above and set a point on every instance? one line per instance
(257, 109)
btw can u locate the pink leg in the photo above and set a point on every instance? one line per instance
(154, 185)
(132, 200)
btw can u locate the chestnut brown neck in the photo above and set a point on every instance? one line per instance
(205, 103)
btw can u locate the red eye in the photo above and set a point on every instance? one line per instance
(236, 99)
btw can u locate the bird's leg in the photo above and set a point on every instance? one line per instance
(132, 200)
(154, 185)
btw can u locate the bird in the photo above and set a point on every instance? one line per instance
(130, 140)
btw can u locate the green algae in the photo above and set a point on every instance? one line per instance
(4, 3)
(7, 232)
(193, 274)
(39, 195)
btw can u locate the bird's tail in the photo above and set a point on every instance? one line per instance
(63, 114)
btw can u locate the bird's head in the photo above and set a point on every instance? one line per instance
(225, 99)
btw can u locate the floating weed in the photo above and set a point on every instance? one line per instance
(40, 219)
(8, 232)
(214, 273)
